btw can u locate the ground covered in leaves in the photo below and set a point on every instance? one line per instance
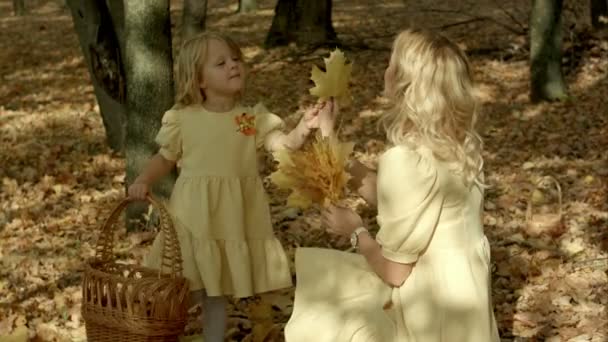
(59, 179)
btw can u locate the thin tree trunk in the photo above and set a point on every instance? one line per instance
(305, 22)
(101, 51)
(246, 6)
(194, 17)
(149, 72)
(599, 13)
(547, 82)
(19, 7)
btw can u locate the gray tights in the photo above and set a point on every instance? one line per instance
(214, 315)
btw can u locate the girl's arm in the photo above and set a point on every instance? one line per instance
(293, 140)
(322, 116)
(363, 181)
(157, 168)
(392, 273)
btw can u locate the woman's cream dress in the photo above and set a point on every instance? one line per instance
(427, 216)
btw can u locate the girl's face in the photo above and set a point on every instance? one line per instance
(223, 71)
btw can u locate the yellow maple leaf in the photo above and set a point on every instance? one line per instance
(334, 81)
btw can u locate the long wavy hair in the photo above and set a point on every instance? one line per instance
(190, 62)
(433, 102)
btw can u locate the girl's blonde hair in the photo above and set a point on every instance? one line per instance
(433, 101)
(190, 62)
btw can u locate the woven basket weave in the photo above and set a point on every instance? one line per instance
(551, 224)
(125, 303)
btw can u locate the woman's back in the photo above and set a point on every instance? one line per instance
(460, 222)
(428, 216)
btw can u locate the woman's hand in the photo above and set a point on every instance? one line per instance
(340, 220)
(138, 191)
(322, 115)
(327, 117)
(310, 119)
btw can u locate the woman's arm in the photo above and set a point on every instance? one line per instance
(363, 181)
(392, 273)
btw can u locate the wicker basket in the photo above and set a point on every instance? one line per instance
(122, 302)
(551, 224)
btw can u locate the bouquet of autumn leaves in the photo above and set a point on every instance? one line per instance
(316, 174)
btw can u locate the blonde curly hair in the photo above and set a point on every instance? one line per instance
(190, 62)
(433, 102)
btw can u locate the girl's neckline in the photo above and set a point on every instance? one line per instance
(234, 109)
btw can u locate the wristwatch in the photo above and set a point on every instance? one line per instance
(354, 237)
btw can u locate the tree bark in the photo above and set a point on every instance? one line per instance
(101, 50)
(149, 73)
(246, 6)
(547, 82)
(19, 7)
(305, 22)
(599, 13)
(194, 17)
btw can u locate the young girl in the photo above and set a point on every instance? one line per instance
(426, 275)
(218, 202)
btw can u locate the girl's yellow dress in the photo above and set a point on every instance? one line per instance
(218, 205)
(427, 216)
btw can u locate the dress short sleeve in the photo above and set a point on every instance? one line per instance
(265, 122)
(409, 203)
(169, 137)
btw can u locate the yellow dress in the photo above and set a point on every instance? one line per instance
(427, 216)
(218, 204)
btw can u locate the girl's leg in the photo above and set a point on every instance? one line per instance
(192, 333)
(197, 298)
(214, 318)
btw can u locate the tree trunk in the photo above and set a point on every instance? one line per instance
(599, 13)
(193, 17)
(246, 6)
(19, 7)
(547, 82)
(101, 50)
(149, 73)
(305, 22)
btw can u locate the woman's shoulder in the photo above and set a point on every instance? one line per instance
(403, 152)
(408, 159)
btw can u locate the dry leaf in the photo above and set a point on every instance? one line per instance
(58, 175)
(334, 81)
(314, 174)
(20, 334)
(264, 328)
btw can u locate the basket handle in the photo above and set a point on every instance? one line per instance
(559, 196)
(171, 253)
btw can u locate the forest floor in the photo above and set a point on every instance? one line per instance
(59, 180)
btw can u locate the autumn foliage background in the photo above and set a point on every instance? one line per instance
(59, 179)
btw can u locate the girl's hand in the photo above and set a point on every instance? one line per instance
(138, 191)
(340, 220)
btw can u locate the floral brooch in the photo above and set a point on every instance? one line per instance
(245, 124)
